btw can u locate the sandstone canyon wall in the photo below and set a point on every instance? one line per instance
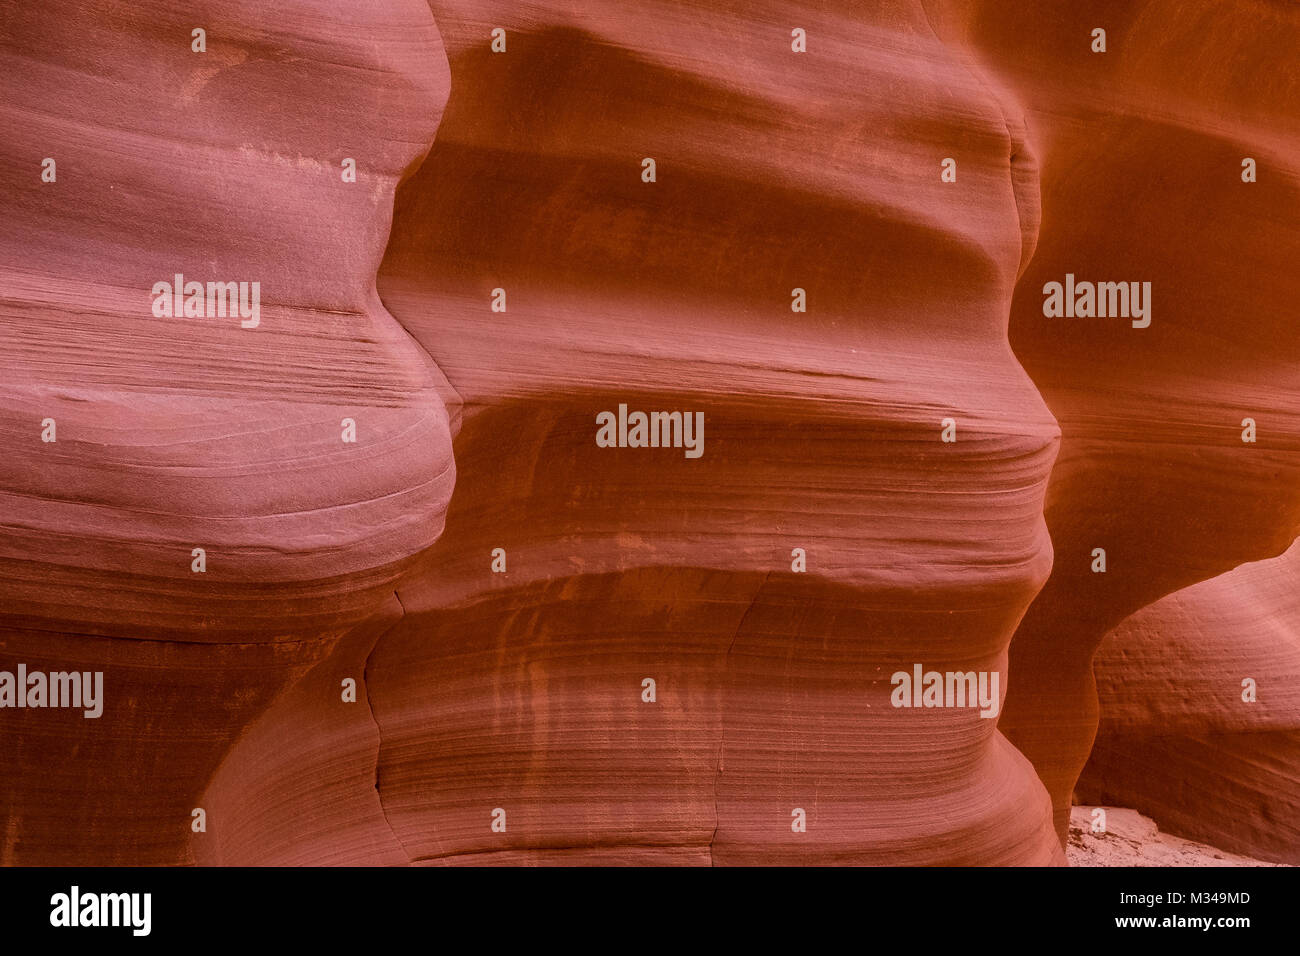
(1198, 700)
(823, 434)
(561, 652)
(1142, 154)
(173, 434)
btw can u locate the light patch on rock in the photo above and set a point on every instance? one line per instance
(1134, 840)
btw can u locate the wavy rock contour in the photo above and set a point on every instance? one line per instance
(175, 434)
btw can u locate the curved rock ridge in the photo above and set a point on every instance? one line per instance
(1200, 711)
(176, 433)
(1141, 150)
(490, 629)
(521, 690)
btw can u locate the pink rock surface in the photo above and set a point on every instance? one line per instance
(517, 695)
(1180, 737)
(1131, 839)
(174, 434)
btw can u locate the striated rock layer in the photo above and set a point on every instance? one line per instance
(476, 635)
(521, 691)
(180, 433)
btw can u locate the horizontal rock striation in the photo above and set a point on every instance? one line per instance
(178, 433)
(376, 563)
(521, 690)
